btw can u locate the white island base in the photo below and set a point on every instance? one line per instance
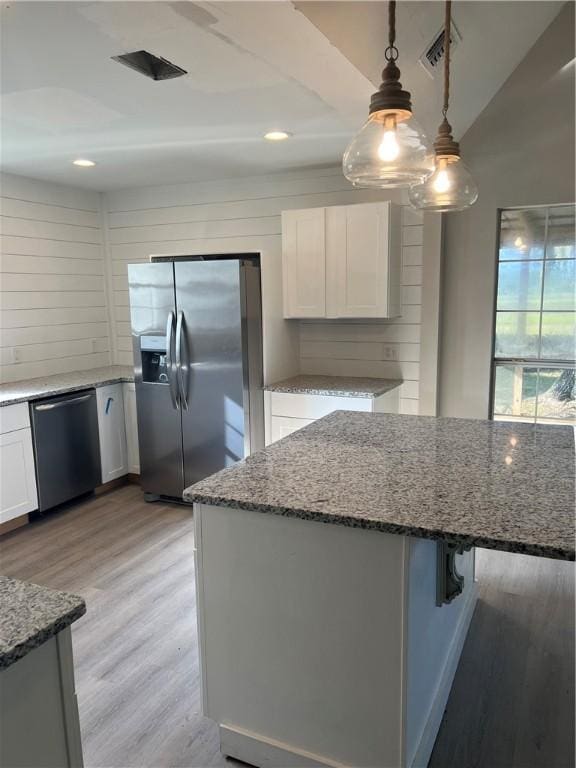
(323, 645)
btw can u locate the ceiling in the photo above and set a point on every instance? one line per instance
(308, 68)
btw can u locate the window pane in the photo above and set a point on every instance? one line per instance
(560, 243)
(558, 335)
(556, 394)
(517, 334)
(515, 390)
(522, 234)
(520, 284)
(559, 285)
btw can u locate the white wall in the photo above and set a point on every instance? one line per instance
(360, 348)
(65, 251)
(52, 280)
(521, 152)
(244, 215)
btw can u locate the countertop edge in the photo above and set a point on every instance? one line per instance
(284, 387)
(42, 635)
(507, 545)
(120, 379)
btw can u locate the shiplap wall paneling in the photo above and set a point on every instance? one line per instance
(386, 348)
(231, 216)
(244, 215)
(53, 310)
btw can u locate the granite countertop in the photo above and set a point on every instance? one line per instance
(30, 615)
(337, 386)
(58, 384)
(500, 485)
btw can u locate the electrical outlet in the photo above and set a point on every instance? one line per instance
(390, 353)
(17, 355)
(94, 345)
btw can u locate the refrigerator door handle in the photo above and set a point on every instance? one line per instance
(183, 369)
(170, 360)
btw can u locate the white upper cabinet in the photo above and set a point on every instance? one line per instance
(342, 261)
(304, 263)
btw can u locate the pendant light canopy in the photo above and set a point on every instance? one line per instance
(451, 186)
(391, 149)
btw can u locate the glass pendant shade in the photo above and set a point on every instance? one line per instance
(390, 150)
(450, 188)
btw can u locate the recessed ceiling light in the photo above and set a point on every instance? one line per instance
(277, 135)
(83, 163)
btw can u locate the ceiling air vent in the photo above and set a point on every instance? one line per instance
(149, 65)
(433, 56)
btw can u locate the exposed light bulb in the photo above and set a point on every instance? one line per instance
(442, 181)
(518, 242)
(389, 148)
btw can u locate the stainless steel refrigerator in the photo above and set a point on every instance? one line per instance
(197, 340)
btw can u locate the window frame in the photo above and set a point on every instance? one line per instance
(527, 362)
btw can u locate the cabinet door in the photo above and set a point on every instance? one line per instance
(112, 432)
(17, 475)
(131, 428)
(363, 261)
(304, 263)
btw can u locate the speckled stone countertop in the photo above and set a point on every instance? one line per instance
(30, 615)
(58, 384)
(337, 386)
(506, 486)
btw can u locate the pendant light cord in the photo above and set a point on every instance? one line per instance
(391, 52)
(447, 30)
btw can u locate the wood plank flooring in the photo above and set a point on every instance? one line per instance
(512, 704)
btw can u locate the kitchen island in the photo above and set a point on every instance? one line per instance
(335, 577)
(39, 723)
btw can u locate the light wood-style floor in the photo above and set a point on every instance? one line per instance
(512, 704)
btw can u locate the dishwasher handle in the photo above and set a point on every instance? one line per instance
(62, 403)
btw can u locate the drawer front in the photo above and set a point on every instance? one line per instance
(283, 426)
(315, 406)
(13, 417)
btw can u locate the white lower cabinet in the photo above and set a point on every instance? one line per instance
(112, 432)
(282, 426)
(292, 411)
(18, 494)
(39, 722)
(131, 422)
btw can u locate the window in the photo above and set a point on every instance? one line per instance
(535, 327)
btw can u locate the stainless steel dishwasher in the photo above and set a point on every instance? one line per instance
(66, 447)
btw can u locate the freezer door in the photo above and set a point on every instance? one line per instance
(153, 317)
(210, 302)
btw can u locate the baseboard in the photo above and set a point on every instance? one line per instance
(111, 485)
(117, 483)
(430, 730)
(258, 750)
(12, 525)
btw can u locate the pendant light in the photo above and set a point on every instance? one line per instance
(451, 186)
(391, 149)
